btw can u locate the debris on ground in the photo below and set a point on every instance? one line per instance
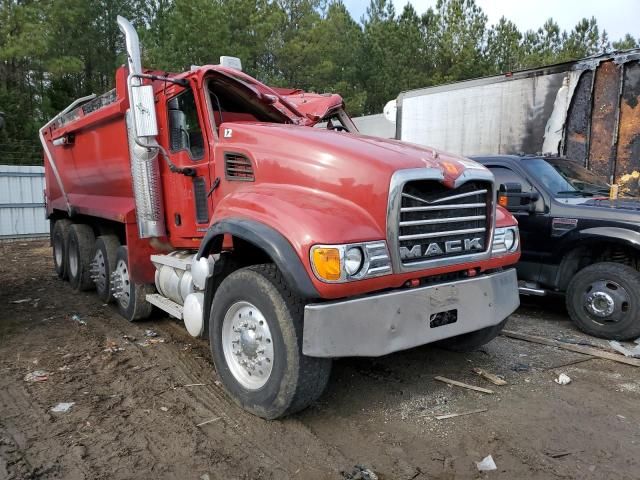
(462, 384)
(453, 415)
(574, 341)
(37, 376)
(151, 341)
(563, 379)
(521, 367)
(150, 333)
(627, 352)
(62, 407)
(164, 409)
(560, 454)
(112, 347)
(130, 338)
(360, 473)
(487, 464)
(77, 319)
(208, 421)
(596, 352)
(495, 379)
(22, 300)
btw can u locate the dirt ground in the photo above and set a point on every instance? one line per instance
(139, 400)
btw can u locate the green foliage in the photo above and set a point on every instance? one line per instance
(53, 51)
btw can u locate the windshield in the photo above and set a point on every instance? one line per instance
(565, 178)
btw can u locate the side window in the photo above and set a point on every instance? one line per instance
(506, 175)
(184, 128)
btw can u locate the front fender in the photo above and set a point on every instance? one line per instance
(285, 221)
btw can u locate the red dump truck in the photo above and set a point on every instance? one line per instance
(264, 221)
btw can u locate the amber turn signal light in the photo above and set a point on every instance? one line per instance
(503, 201)
(326, 262)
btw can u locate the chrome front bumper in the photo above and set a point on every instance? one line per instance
(379, 324)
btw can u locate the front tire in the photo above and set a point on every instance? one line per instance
(256, 326)
(131, 296)
(80, 243)
(603, 300)
(471, 341)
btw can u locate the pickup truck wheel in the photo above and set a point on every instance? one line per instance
(59, 241)
(473, 340)
(603, 300)
(256, 342)
(131, 297)
(103, 264)
(80, 243)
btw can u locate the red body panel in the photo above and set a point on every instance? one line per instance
(312, 185)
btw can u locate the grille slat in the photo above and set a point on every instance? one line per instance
(439, 222)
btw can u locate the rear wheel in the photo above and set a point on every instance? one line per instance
(473, 340)
(80, 243)
(59, 241)
(256, 341)
(603, 300)
(103, 264)
(130, 296)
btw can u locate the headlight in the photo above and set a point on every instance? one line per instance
(505, 240)
(353, 261)
(343, 263)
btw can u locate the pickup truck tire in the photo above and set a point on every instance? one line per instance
(103, 263)
(131, 297)
(59, 244)
(256, 342)
(468, 342)
(603, 300)
(80, 243)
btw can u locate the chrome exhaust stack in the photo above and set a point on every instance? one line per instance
(142, 128)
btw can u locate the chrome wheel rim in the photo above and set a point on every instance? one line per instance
(99, 271)
(122, 284)
(606, 301)
(247, 345)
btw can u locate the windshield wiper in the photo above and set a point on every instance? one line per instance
(575, 192)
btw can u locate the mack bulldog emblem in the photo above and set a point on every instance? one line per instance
(440, 248)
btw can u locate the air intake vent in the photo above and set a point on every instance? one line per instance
(238, 167)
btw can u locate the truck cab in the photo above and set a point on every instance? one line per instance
(576, 241)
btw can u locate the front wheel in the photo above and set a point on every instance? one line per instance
(256, 341)
(603, 300)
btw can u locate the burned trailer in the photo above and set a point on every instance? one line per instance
(585, 110)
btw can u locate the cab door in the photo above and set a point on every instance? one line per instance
(187, 203)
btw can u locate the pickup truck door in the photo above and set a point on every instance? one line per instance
(535, 227)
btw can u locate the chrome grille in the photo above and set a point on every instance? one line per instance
(439, 222)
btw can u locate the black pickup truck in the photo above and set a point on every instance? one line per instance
(575, 241)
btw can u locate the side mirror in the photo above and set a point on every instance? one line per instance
(511, 197)
(178, 134)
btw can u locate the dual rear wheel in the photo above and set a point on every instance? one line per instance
(89, 262)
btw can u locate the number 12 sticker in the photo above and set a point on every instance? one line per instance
(228, 133)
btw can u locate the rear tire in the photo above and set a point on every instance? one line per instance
(59, 244)
(80, 243)
(471, 341)
(256, 326)
(603, 300)
(131, 297)
(103, 264)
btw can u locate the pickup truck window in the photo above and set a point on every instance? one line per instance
(506, 175)
(184, 127)
(560, 182)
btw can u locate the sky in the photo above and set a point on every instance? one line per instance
(617, 17)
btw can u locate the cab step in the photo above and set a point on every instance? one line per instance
(163, 303)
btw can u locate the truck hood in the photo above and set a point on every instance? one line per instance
(621, 210)
(337, 155)
(329, 167)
